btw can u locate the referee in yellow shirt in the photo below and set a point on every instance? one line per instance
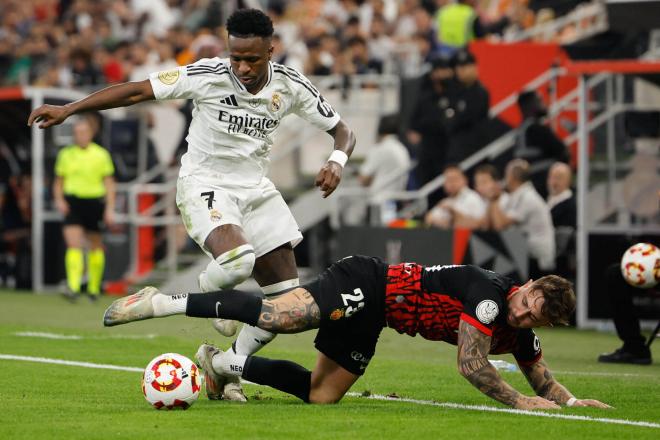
(84, 192)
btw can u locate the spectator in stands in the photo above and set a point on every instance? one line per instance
(15, 225)
(461, 208)
(427, 131)
(469, 116)
(563, 210)
(487, 185)
(626, 321)
(84, 192)
(537, 143)
(386, 165)
(457, 24)
(357, 60)
(526, 209)
(83, 70)
(319, 62)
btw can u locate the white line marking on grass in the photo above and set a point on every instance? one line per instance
(47, 335)
(601, 373)
(42, 360)
(373, 396)
(507, 410)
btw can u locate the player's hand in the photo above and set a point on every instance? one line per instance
(328, 178)
(48, 115)
(109, 217)
(535, 402)
(62, 206)
(590, 402)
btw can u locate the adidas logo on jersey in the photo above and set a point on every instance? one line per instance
(229, 100)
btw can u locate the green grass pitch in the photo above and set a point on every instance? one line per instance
(50, 401)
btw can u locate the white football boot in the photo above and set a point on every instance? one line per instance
(218, 386)
(233, 390)
(131, 308)
(214, 382)
(226, 327)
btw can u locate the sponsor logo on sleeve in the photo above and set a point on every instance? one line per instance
(169, 77)
(487, 311)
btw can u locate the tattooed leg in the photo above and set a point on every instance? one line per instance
(293, 312)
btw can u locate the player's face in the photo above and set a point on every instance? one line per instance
(249, 60)
(525, 308)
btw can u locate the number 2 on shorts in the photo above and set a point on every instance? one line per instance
(353, 303)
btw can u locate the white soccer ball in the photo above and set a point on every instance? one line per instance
(640, 265)
(171, 381)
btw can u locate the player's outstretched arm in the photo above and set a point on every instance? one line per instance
(329, 176)
(120, 95)
(544, 384)
(473, 348)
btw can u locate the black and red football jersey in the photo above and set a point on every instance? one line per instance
(431, 301)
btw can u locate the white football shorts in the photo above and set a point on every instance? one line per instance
(259, 210)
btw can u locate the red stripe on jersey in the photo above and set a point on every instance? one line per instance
(513, 290)
(473, 322)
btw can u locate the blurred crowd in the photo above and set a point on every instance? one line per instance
(77, 43)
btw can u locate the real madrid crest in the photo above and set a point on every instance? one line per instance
(215, 215)
(275, 102)
(169, 77)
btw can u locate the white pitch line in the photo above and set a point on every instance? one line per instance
(373, 396)
(47, 335)
(601, 373)
(43, 360)
(507, 410)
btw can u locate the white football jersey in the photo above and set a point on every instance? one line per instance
(229, 139)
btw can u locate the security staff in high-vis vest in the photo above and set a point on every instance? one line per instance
(84, 192)
(457, 24)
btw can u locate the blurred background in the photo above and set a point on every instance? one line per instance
(442, 96)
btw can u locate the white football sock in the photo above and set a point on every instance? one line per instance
(166, 305)
(251, 339)
(229, 363)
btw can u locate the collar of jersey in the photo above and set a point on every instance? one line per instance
(240, 85)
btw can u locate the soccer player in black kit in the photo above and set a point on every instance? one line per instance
(354, 299)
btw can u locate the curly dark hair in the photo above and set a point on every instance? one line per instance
(249, 23)
(559, 298)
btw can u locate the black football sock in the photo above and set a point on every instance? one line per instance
(285, 376)
(226, 304)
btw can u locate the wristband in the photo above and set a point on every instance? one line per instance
(571, 401)
(338, 156)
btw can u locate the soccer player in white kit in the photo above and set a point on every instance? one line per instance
(228, 205)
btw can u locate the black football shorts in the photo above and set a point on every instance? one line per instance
(87, 213)
(351, 298)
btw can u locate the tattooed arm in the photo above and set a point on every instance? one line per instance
(292, 312)
(544, 384)
(473, 348)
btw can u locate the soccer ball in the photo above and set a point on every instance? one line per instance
(171, 381)
(640, 265)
